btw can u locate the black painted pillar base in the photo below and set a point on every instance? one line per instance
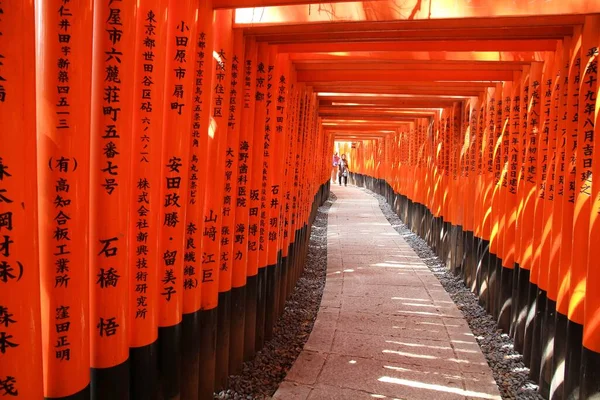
(83, 394)
(208, 353)
(169, 360)
(283, 287)
(590, 374)
(531, 306)
(493, 279)
(236, 338)
(250, 319)
(469, 256)
(514, 302)
(270, 300)
(521, 309)
(190, 355)
(557, 387)
(505, 294)
(536, 344)
(144, 372)
(261, 308)
(110, 383)
(573, 360)
(280, 295)
(223, 340)
(548, 327)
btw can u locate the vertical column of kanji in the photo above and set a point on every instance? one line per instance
(538, 149)
(20, 323)
(553, 233)
(501, 209)
(456, 198)
(145, 169)
(300, 173)
(272, 152)
(488, 148)
(512, 139)
(470, 203)
(278, 186)
(478, 176)
(444, 126)
(213, 206)
(539, 273)
(566, 220)
(437, 171)
(244, 202)
(110, 196)
(288, 235)
(523, 103)
(524, 98)
(590, 119)
(200, 60)
(527, 188)
(174, 170)
(255, 193)
(496, 184)
(239, 220)
(445, 180)
(192, 287)
(501, 194)
(224, 48)
(63, 152)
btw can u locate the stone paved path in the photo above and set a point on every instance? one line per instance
(386, 329)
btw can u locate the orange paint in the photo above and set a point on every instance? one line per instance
(20, 322)
(175, 158)
(63, 127)
(110, 181)
(151, 32)
(581, 219)
(199, 125)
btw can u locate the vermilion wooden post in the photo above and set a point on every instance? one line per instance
(566, 221)
(279, 184)
(194, 222)
(510, 186)
(589, 118)
(238, 127)
(249, 240)
(582, 206)
(213, 207)
(483, 262)
(149, 69)
(224, 49)
(258, 171)
(270, 190)
(527, 205)
(63, 127)
(173, 186)
(19, 263)
(110, 196)
(553, 232)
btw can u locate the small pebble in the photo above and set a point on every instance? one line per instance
(260, 377)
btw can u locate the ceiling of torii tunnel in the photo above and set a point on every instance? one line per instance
(378, 65)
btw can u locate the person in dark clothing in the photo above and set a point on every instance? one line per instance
(343, 170)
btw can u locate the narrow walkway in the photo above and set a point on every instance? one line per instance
(386, 328)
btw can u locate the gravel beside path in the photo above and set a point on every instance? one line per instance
(261, 376)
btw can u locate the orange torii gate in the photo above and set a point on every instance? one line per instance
(161, 166)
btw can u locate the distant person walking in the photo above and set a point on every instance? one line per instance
(334, 169)
(343, 170)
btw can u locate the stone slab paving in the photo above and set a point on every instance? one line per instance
(386, 329)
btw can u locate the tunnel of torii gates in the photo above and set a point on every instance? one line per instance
(161, 163)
